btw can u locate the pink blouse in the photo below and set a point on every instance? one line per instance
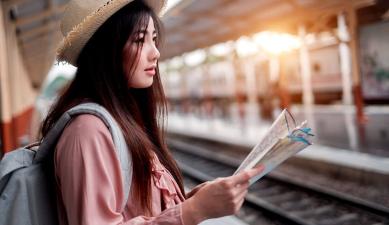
(89, 180)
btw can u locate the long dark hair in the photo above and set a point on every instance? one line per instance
(100, 78)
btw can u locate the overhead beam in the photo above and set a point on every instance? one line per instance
(44, 43)
(226, 20)
(40, 16)
(47, 28)
(15, 2)
(288, 20)
(38, 56)
(53, 34)
(8, 4)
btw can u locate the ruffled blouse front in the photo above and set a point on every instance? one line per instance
(165, 191)
(90, 186)
(164, 181)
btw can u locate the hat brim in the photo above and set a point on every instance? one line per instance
(72, 44)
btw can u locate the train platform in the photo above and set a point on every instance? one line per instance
(337, 127)
(368, 168)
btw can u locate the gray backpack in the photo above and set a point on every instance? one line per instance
(25, 185)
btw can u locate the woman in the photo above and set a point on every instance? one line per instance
(115, 44)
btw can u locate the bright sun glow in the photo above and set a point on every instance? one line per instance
(245, 46)
(276, 43)
(222, 49)
(195, 58)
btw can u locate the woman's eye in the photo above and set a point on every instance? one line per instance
(139, 40)
(155, 39)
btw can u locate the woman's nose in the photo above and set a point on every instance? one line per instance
(154, 53)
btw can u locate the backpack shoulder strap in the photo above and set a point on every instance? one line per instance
(121, 148)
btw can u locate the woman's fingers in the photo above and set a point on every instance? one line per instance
(239, 199)
(228, 190)
(241, 194)
(239, 204)
(242, 187)
(245, 176)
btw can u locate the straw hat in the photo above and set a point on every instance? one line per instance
(83, 17)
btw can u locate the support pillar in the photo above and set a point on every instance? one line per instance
(305, 65)
(347, 81)
(6, 141)
(307, 90)
(345, 60)
(17, 96)
(252, 106)
(356, 73)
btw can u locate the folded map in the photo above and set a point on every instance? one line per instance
(284, 139)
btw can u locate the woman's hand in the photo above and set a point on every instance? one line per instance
(221, 197)
(196, 189)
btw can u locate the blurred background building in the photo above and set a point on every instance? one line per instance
(236, 60)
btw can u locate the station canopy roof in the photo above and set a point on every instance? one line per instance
(194, 24)
(190, 25)
(36, 25)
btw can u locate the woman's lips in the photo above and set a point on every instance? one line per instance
(150, 71)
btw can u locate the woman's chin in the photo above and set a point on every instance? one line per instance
(142, 85)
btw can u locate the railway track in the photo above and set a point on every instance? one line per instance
(280, 197)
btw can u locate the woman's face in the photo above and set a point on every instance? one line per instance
(145, 67)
